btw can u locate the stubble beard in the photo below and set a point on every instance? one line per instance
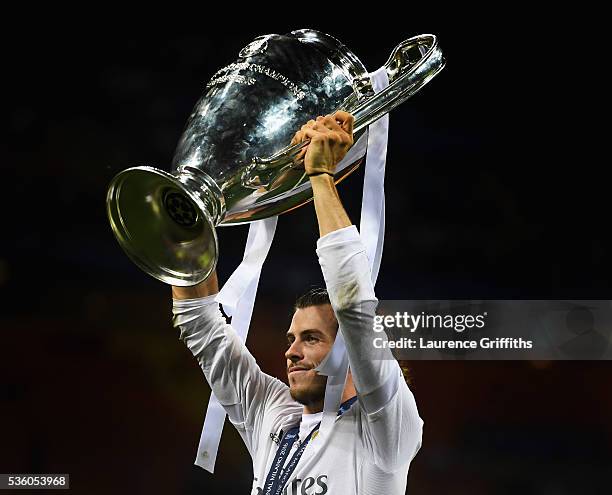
(311, 393)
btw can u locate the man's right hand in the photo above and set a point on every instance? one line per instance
(205, 288)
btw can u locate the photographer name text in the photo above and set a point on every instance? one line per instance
(457, 323)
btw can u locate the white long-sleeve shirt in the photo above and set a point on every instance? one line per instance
(370, 448)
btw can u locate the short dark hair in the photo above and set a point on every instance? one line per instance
(318, 296)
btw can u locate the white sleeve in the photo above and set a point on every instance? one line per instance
(393, 430)
(243, 390)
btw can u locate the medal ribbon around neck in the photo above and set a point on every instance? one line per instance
(277, 476)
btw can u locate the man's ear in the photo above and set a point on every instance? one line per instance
(334, 319)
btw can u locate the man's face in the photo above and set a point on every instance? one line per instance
(310, 337)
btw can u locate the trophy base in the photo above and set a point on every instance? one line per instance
(163, 225)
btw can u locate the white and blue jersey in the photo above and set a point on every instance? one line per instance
(369, 450)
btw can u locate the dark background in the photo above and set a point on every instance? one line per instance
(490, 194)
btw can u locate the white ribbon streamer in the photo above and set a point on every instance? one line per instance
(237, 297)
(372, 224)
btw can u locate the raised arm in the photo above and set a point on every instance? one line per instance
(343, 260)
(241, 387)
(393, 427)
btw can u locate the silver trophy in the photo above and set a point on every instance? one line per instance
(233, 164)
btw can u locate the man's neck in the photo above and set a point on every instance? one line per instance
(317, 407)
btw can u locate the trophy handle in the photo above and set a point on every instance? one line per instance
(411, 65)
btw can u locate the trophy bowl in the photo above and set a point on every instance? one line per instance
(233, 164)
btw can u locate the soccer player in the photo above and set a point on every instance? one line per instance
(378, 429)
